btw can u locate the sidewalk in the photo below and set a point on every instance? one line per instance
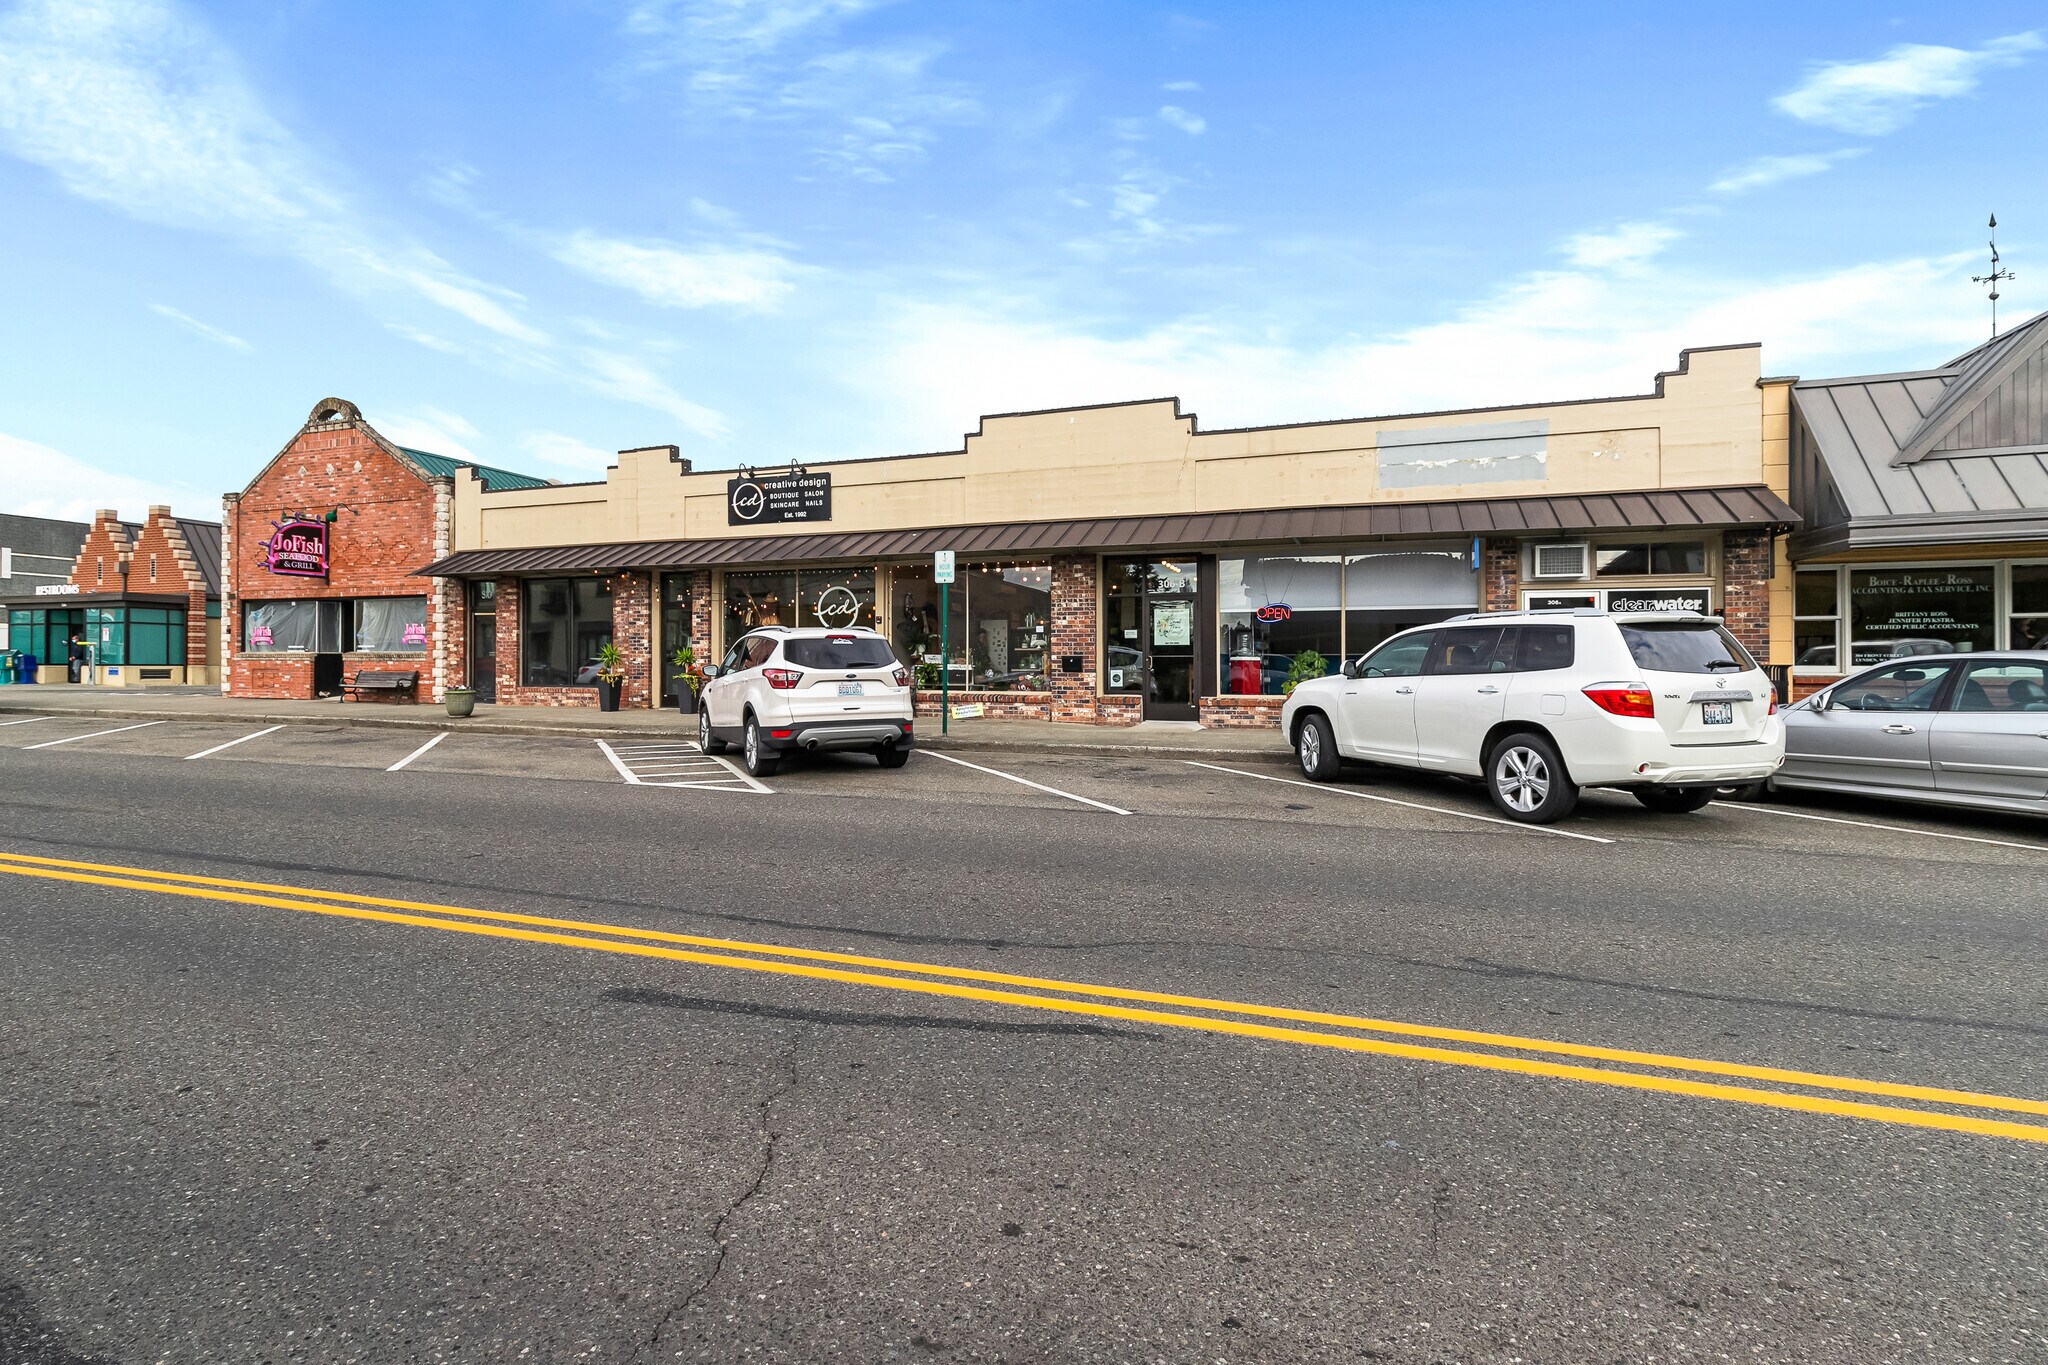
(206, 704)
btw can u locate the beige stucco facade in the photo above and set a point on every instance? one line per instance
(1710, 423)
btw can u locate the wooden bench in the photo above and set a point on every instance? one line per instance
(381, 680)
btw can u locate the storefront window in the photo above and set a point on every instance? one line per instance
(278, 627)
(837, 598)
(106, 631)
(1896, 613)
(1123, 625)
(2030, 606)
(677, 625)
(759, 599)
(915, 625)
(156, 636)
(1662, 557)
(1816, 619)
(1009, 616)
(563, 624)
(1388, 590)
(1273, 608)
(391, 625)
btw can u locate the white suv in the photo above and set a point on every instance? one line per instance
(1538, 704)
(781, 688)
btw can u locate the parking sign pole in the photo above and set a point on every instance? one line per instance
(942, 574)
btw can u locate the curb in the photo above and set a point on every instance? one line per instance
(485, 726)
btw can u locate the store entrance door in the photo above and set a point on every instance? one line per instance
(483, 639)
(1170, 658)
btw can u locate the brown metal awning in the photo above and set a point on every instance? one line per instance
(1750, 505)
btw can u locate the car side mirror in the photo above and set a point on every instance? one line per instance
(711, 671)
(1350, 669)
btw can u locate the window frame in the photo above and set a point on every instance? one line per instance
(571, 620)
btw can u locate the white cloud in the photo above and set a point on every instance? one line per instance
(1627, 245)
(556, 448)
(1181, 86)
(621, 376)
(433, 430)
(1881, 95)
(1547, 336)
(1176, 117)
(198, 328)
(43, 482)
(137, 107)
(1762, 171)
(664, 273)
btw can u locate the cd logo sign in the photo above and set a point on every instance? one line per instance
(836, 607)
(748, 500)
(753, 499)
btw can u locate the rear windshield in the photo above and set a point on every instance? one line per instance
(1685, 647)
(839, 651)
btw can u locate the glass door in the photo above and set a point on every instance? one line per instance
(1170, 664)
(483, 639)
(675, 629)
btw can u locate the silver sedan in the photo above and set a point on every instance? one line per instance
(1952, 729)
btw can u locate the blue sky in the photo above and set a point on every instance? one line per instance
(775, 229)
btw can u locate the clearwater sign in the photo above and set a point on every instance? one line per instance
(297, 548)
(768, 501)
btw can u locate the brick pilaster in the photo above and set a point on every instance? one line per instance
(1501, 573)
(1747, 563)
(1076, 630)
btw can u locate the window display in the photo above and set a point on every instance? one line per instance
(759, 599)
(1000, 630)
(837, 598)
(1941, 610)
(1387, 590)
(915, 626)
(1272, 608)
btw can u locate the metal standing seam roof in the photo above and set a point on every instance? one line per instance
(1653, 510)
(1861, 426)
(495, 480)
(203, 539)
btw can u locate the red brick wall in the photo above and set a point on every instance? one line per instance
(1001, 705)
(176, 572)
(1500, 566)
(1746, 566)
(104, 557)
(1242, 712)
(385, 529)
(286, 677)
(1074, 631)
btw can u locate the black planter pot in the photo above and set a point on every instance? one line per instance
(607, 695)
(686, 700)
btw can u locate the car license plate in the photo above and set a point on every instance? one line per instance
(851, 689)
(1717, 712)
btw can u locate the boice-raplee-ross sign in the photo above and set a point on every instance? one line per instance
(297, 548)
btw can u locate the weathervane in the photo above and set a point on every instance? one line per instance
(1998, 273)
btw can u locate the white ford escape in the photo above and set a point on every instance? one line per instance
(1538, 704)
(781, 688)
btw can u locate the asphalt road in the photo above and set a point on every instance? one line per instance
(260, 1123)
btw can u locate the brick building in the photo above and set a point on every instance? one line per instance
(1118, 563)
(322, 550)
(144, 597)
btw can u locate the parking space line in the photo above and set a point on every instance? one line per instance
(1411, 805)
(416, 752)
(53, 743)
(1027, 782)
(1889, 829)
(672, 765)
(208, 753)
(29, 721)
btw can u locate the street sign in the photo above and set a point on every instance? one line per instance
(942, 566)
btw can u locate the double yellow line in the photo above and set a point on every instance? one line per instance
(1201, 1014)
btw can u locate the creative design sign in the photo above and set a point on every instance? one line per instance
(763, 501)
(837, 607)
(1275, 612)
(297, 548)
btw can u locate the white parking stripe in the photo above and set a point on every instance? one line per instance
(1027, 782)
(1889, 829)
(208, 753)
(417, 752)
(1411, 805)
(680, 766)
(53, 743)
(30, 721)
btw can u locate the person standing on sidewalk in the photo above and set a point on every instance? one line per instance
(74, 654)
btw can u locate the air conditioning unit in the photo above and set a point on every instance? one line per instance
(1561, 559)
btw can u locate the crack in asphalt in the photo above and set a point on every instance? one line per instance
(641, 995)
(772, 1142)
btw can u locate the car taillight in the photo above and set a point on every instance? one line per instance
(901, 676)
(1772, 709)
(781, 679)
(1620, 700)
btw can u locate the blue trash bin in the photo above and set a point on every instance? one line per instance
(29, 663)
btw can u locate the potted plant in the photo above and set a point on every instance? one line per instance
(1307, 664)
(461, 701)
(689, 678)
(611, 675)
(927, 677)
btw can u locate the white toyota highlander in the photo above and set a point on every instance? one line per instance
(1537, 704)
(781, 688)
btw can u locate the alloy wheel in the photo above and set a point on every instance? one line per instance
(1311, 748)
(1522, 777)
